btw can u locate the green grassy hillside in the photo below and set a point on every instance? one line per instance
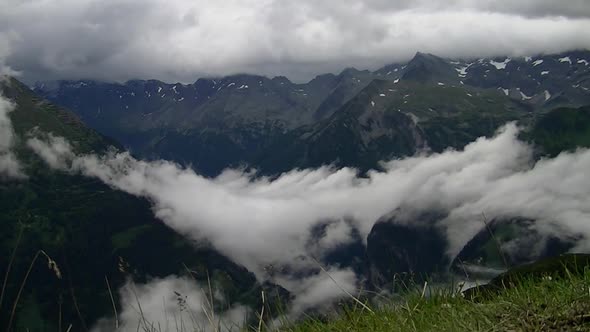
(563, 129)
(551, 295)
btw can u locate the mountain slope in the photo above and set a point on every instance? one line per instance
(390, 119)
(89, 229)
(563, 129)
(546, 81)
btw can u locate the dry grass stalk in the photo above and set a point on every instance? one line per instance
(52, 266)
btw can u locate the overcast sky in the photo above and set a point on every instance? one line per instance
(181, 40)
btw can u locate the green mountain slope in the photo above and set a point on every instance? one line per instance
(90, 230)
(563, 129)
(389, 119)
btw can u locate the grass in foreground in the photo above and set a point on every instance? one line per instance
(535, 304)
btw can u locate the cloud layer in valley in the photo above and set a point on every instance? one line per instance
(261, 221)
(264, 222)
(182, 40)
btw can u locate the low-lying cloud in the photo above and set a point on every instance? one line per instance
(262, 221)
(170, 304)
(9, 165)
(267, 223)
(182, 40)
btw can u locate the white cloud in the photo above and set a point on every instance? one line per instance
(55, 154)
(336, 233)
(320, 290)
(262, 222)
(181, 40)
(9, 165)
(170, 304)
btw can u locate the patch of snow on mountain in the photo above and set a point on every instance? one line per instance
(547, 95)
(396, 81)
(174, 88)
(159, 89)
(181, 99)
(440, 83)
(463, 70)
(527, 59)
(382, 95)
(506, 91)
(231, 84)
(544, 73)
(523, 96)
(500, 65)
(583, 62)
(372, 103)
(244, 86)
(566, 59)
(537, 62)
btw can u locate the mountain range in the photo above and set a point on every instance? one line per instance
(275, 124)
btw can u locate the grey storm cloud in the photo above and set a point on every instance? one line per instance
(181, 40)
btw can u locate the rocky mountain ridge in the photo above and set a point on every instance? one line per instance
(238, 120)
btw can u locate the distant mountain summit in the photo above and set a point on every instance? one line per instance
(428, 68)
